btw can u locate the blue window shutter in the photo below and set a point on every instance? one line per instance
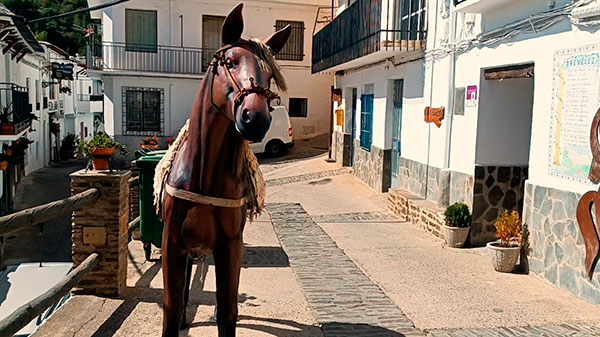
(366, 121)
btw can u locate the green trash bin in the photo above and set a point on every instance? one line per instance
(151, 226)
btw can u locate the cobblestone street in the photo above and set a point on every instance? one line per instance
(328, 259)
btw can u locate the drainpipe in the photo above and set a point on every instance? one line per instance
(452, 88)
(431, 100)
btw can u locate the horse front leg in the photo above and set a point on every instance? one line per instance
(228, 262)
(174, 265)
(186, 296)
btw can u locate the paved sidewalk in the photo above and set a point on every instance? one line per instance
(345, 301)
(443, 291)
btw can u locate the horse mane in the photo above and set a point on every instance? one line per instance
(265, 54)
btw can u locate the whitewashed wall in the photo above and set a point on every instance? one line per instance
(260, 17)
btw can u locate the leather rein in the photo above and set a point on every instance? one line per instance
(240, 93)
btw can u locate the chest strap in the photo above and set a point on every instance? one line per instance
(202, 199)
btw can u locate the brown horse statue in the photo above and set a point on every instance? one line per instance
(205, 201)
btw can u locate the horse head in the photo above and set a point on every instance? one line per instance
(242, 74)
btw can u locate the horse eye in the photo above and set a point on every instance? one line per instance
(229, 63)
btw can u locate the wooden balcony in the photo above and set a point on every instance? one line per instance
(370, 31)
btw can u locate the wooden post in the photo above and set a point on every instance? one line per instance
(102, 228)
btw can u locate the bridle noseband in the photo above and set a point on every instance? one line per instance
(219, 59)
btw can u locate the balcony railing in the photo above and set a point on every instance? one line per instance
(16, 109)
(144, 58)
(359, 31)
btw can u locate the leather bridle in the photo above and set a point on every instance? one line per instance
(221, 60)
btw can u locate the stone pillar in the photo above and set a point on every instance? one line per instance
(102, 228)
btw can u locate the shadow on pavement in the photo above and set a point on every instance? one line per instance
(291, 328)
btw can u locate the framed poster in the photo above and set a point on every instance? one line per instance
(575, 99)
(471, 96)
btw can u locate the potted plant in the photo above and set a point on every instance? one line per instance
(16, 151)
(4, 161)
(150, 143)
(506, 250)
(6, 127)
(170, 141)
(98, 150)
(67, 147)
(458, 223)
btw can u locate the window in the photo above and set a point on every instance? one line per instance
(143, 110)
(294, 48)
(140, 30)
(298, 107)
(366, 119)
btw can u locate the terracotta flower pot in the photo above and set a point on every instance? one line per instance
(3, 165)
(455, 236)
(152, 147)
(6, 129)
(100, 158)
(504, 259)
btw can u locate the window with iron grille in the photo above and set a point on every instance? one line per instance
(140, 30)
(143, 111)
(298, 107)
(366, 121)
(294, 48)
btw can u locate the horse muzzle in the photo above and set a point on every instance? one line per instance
(252, 125)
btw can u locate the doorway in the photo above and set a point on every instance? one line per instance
(211, 37)
(502, 145)
(397, 95)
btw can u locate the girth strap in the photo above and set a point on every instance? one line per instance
(202, 199)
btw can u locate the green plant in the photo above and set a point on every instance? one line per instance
(18, 148)
(509, 229)
(68, 142)
(100, 141)
(458, 215)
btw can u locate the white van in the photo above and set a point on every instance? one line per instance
(279, 137)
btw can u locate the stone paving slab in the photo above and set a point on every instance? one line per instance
(375, 216)
(306, 177)
(562, 330)
(343, 299)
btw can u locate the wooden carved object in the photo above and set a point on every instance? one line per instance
(587, 226)
(434, 115)
(595, 167)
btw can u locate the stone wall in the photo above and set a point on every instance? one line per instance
(557, 248)
(461, 189)
(102, 228)
(496, 188)
(341, 148)
(418, 178)
(373, 167)
(412, 208)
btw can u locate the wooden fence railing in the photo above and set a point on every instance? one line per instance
(28, 312)
(31, 217)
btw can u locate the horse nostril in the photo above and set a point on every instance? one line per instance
(245, 115)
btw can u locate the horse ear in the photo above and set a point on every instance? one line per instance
(277, 41)
(233, 26)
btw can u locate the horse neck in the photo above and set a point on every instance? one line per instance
(214, 143)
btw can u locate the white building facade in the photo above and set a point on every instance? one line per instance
(518, 84)
(155, 53)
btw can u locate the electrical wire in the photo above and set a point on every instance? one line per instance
(530, 25)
